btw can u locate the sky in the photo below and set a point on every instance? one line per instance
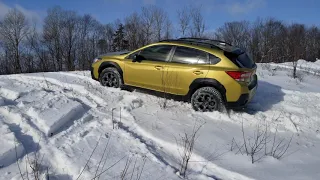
(215, 12)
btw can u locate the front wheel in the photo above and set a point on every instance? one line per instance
(110, 77)
(207, 99)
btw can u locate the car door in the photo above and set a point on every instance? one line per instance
(148, 72)
(186, 65)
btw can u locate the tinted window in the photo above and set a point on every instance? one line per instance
(156, 53)
(214, 59)
(245, 60)
(189, 56)
(240, 59)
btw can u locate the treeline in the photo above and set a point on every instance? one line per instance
(271, 40)
(69, 41)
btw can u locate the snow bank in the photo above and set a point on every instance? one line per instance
(8, 93)
(60, 112)
(9, 152)
(302, 65)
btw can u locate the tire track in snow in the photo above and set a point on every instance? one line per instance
(149, 144)
(136, 133)
(148, 141)
(57, 86)
(214, 171)
(34, 139)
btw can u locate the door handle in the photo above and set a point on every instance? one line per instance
(158, 67)
(197, 72)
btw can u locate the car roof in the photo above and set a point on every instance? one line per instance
(205, 43)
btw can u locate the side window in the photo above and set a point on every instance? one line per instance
(190, 56)
(156, 53)
(214, 59)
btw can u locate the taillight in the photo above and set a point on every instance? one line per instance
(239, 76)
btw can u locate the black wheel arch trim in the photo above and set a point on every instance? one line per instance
(202, 82)
(107, 64)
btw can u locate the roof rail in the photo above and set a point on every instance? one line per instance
(193, 42)
(208, 43)
(204, 39)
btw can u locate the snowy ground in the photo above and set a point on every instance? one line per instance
(303, 66)
(62, 118)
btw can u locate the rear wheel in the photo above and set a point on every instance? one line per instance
(207, 99)
(110, 77)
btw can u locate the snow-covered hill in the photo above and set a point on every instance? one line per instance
(67, 120)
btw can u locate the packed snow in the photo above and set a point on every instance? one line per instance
(82, 130)
(10, 149)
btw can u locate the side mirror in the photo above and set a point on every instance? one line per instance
(137, 58)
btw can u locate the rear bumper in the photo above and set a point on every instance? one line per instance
(244, 99)
(242, 102)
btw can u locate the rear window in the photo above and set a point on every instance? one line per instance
(240, 59)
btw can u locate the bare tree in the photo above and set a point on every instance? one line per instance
(14, 29)
(133, 32)
(198, 22)
(52, 36)
(40, 53)
(184, 16)
(147, 21)
(70, 41)
(69, 29)
(236, 33)
(295, 42)
(312, 43)
(160, 18)
(168, 29)
(86, 25)
(108, 32)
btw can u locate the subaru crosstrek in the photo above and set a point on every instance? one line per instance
(211, 74)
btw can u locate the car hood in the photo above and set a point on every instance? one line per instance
(113, 54)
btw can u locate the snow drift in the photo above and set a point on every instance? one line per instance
(83, 128)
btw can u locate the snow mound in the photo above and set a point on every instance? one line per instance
(59, 112)
(8, 93)
(302, 65)
(10, 149)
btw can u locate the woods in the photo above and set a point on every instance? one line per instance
(68, 41)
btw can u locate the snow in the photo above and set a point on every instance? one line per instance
(302, 66)
(53, 115)
(80, 126)
(10, 149)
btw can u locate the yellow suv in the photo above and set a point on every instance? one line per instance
(211, 74)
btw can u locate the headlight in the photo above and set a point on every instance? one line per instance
(97, 59)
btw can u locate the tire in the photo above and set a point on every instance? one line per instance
(207, 99)
(110, 77)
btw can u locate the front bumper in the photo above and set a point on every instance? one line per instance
(92, 75)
